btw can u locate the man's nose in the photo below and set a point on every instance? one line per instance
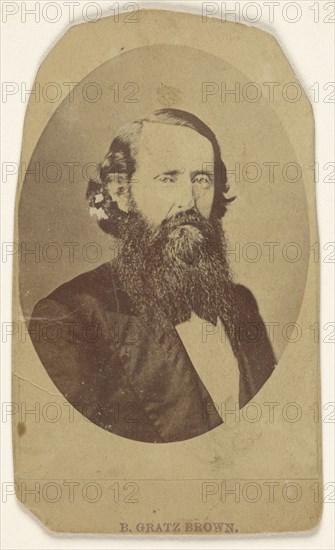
(185, 199)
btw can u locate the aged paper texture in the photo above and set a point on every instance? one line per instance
(166, 358)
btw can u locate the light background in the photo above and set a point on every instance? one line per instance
(22, 43)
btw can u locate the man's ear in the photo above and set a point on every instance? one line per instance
(118, 188)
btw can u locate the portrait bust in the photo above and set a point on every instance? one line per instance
(166, 265)
(156, 340)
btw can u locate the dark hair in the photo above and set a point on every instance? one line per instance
(121, 161)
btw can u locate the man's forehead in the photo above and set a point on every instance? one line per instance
(167, 142)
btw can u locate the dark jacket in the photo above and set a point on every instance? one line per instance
(130, 378)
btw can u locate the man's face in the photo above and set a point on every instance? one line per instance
(173, 260)
(175, 173)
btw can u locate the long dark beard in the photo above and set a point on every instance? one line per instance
(177, 268)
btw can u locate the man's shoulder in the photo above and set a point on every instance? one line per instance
(94, 289)
(244, 300)
(95, 282)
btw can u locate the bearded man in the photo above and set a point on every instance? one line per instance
(153, 343)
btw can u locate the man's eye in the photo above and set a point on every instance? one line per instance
(166, 179)
(203, 180)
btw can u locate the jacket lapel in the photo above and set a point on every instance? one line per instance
(250, 344)
(165, 381)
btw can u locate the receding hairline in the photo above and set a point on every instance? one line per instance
(146, 124)
(131, 132)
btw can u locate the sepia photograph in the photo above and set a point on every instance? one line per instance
(150, 343)
(166, 326)
(162, 191)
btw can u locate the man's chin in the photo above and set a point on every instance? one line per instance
(186, 233)
(186, 244)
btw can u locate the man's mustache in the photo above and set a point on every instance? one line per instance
(188, 217)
